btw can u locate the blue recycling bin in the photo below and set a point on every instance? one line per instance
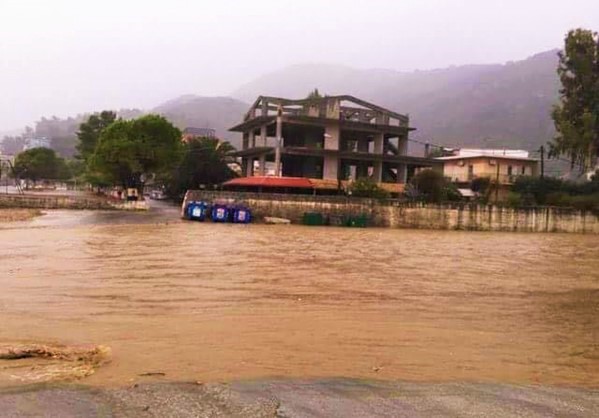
(242, 215)
(220, 213)
(196, 211)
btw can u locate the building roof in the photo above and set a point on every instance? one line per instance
(464, 152)
(320, 110)
(499, 157)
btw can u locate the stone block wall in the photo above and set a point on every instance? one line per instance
(52, 202)
(397, 214)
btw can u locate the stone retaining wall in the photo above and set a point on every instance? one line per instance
(53, 202)
(398, 214)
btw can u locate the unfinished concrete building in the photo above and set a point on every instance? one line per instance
(334, 138)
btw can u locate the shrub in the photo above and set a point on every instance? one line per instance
(367, 187)
(480, 185)
(514, 200)
(586, 202)
(558, 199)
(430, 185)
(433, 187)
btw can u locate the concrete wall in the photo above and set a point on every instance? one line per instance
(396, 214)
(53, 202)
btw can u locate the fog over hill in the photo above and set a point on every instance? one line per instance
(218, 113)
(479, 105)
(501, 105)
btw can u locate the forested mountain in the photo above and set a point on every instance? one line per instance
(478, 105)
(502, 105)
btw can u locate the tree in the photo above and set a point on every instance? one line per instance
(127, 150)
(576, 117)
(314, 94)
(90, 131)
(204, 161)
(433, 187)
(367, 187)
(40, 164)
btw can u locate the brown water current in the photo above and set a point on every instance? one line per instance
(214, 302)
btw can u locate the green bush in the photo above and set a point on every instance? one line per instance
(586, 202)
(367, 187)
(480, 185)
(558, 199)
(553, 191)
(514, 200)
(432, 186)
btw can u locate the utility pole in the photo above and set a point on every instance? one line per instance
(497, 183)
(542, 161)
(279, 131)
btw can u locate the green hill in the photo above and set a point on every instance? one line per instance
(477, 105)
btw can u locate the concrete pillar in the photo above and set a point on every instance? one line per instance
(382, 119)
(252, 139)
(331, 136)
(377, 173)
(250, 167)
(278, 145)
(263, 135)
(264, 108)
(262, 166)
(402, 173)
(331, 168)
(402, 146)
(331, 142)
(378, 143)
(244, 165)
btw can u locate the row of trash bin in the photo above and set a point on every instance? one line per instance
(200, 211)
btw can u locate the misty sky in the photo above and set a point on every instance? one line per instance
(63, 57)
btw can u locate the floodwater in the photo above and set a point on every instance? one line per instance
(206, 302)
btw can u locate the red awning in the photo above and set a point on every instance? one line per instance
(260, 181)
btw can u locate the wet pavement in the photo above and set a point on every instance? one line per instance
(301, 398)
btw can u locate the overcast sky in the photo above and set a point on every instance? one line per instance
(62, 57)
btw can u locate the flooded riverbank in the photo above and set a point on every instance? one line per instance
(190, 301)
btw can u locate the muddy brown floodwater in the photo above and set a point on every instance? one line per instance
(214, 302)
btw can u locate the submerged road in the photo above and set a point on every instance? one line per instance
(307, 304)
(301, 398)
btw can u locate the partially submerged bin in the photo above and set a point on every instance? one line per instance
(242, 215)
(197, 211)
(220, 213)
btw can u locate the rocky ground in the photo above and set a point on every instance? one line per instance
(299, 398)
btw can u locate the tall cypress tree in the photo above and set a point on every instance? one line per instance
(576, 117)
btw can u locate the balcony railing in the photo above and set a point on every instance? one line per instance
(468, 177)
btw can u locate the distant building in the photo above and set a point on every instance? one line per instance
(501, 165)
(330, 140)
(191, 133)
(37, 142)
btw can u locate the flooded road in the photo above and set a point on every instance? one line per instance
(215, 302)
